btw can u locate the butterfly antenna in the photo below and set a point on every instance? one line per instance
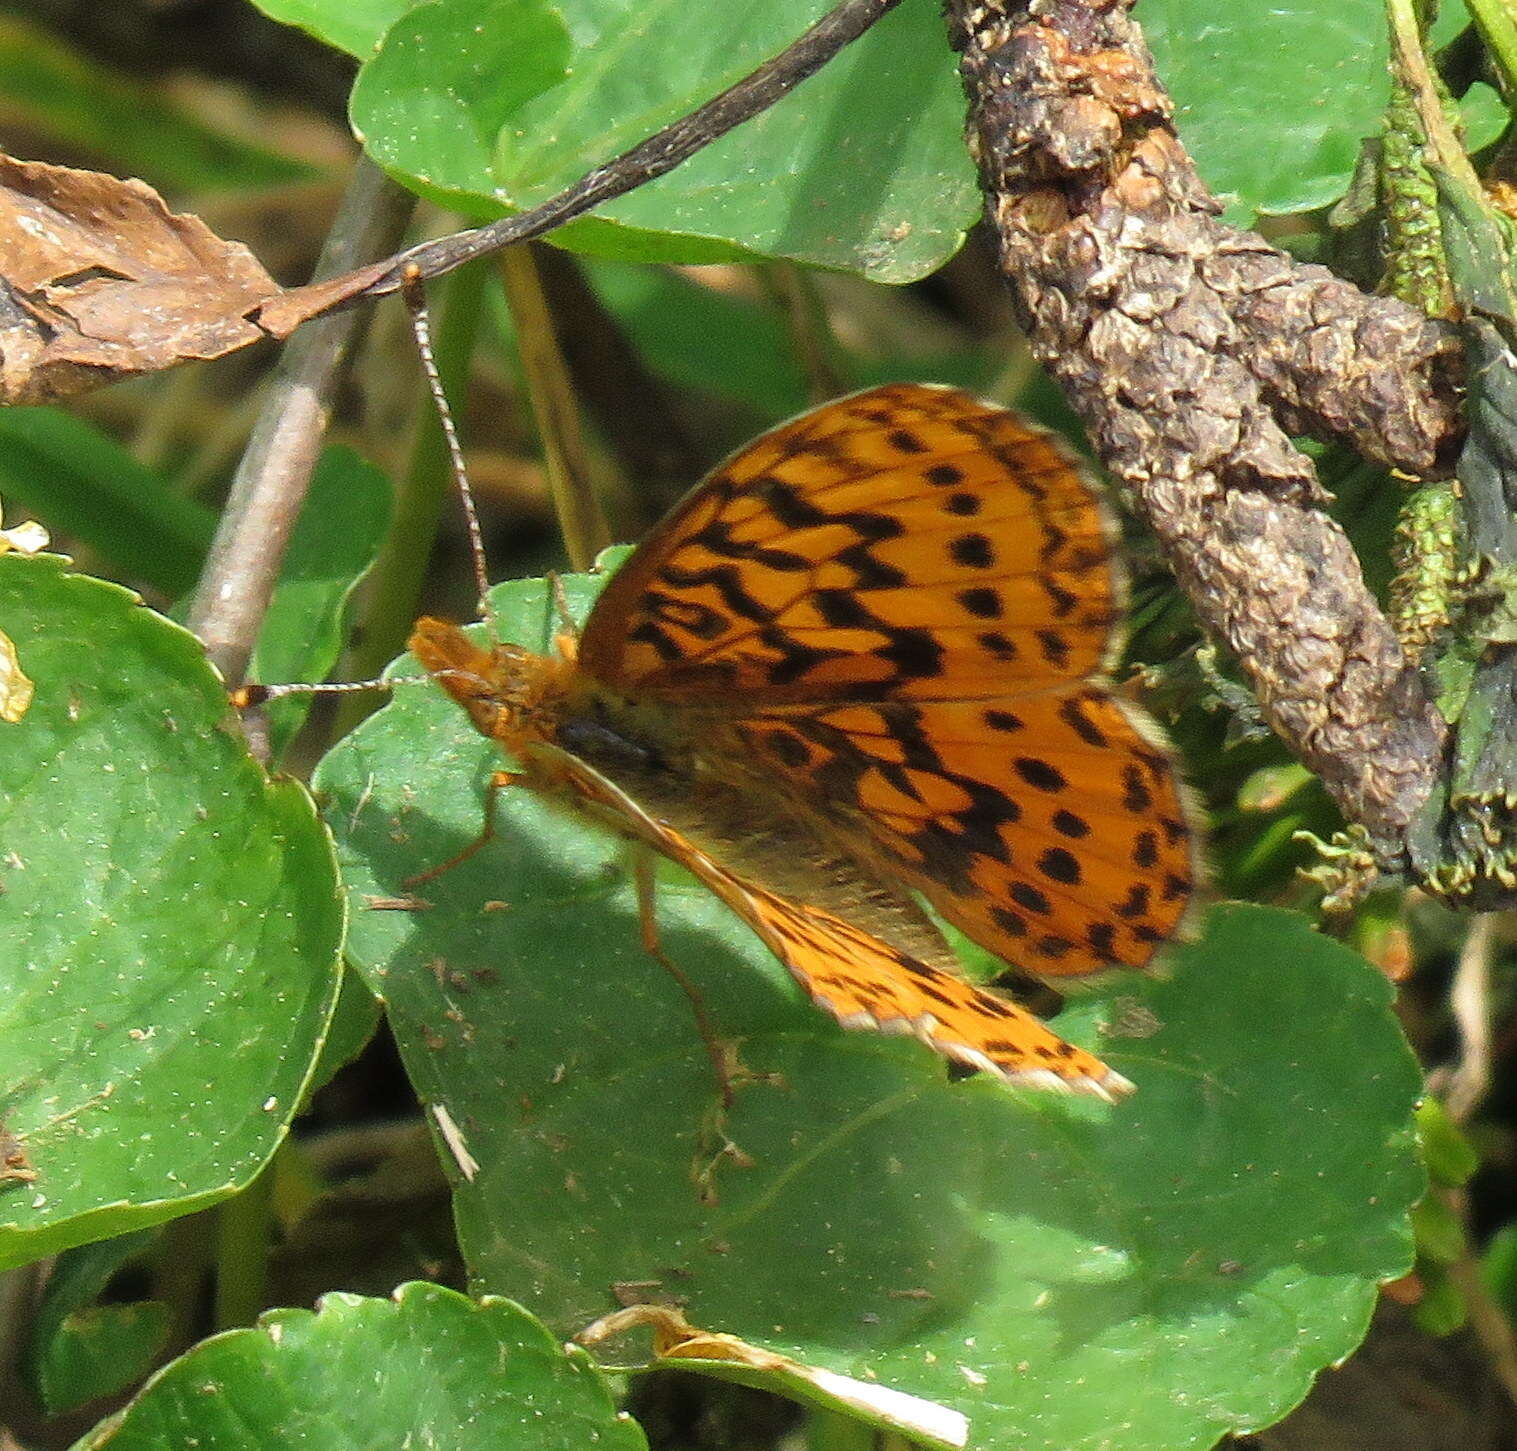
(244, 697)
(421, 329)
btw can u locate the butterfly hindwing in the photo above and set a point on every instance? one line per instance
(1046, 827)
(865, 984)
(858, 977)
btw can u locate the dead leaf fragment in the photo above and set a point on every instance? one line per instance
(15, 1168)
(281, 315)
(676, 1340)
(453, 1137)
(100, 280)
(27, 538)
(16, 689)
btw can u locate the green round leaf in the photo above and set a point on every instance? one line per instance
(101, 1350)
(861, 168)
(79, 1349)
(447, 80)
(1059, 1270)
(1313, 73)
(171, 923)
(427, 1368)
(356, 26)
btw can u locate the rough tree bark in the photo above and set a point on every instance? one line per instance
(1192, 351)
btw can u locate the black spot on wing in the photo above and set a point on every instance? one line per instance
(1024, 894)
(1008, 921)
(914, 654)
(1072, 713)
(972, 551)
(1059, 865)
(1039, 774)
(1066, 823)
(994, 643)
(981, 602)
(1136, 797)
(1054, 647)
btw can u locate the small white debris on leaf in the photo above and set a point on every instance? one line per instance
(27, 538)
(453, 1137)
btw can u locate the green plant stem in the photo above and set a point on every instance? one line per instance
(1409, 62)
(390, 607)
(570, 473)
(794, 292)
(1496, 20)
(179, 1263)
(270, 484)
(244, 1227)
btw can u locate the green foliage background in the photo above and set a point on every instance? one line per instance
(178, 979)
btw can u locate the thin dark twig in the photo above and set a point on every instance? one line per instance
(271, 480)
(645, 162)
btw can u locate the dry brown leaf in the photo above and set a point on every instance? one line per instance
(101, 281)
(281, 315)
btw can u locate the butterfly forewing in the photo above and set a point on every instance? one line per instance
(902, 602)
(909, 541)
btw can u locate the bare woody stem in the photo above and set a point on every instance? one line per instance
(1192, 351)
(271, 480)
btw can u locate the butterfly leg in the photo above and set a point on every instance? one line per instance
(720, 1053)
(499, 780)
(715, 1147)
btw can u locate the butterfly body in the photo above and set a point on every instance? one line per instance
(642, 773)
(861, 662)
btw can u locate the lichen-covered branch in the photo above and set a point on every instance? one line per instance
(1193, 351)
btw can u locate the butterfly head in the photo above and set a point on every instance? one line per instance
(504, 688)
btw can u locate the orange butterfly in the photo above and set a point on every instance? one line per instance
(862, 660)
